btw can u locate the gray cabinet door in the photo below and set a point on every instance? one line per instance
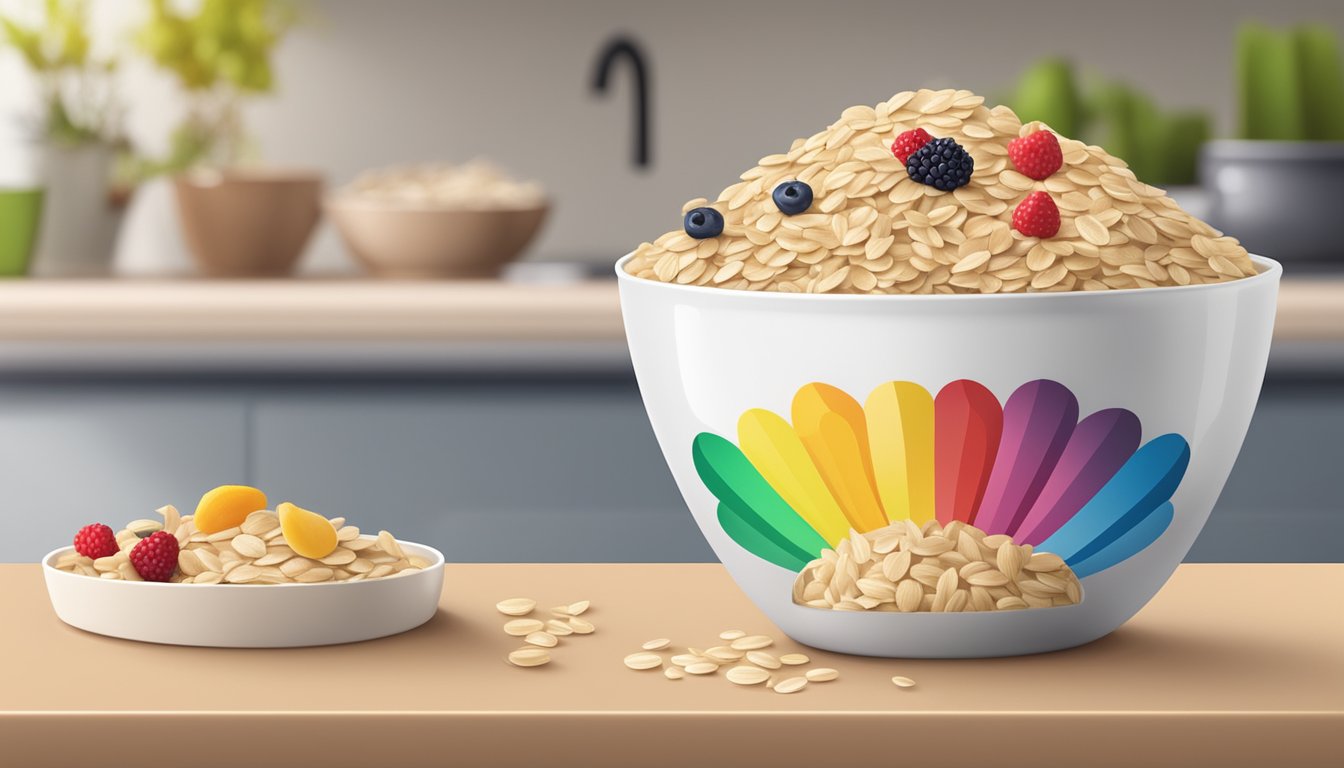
(73, 455)
(569, 471)
(506, 469)
(1283, 501)
(501, 471)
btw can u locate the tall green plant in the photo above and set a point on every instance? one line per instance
(1290, 83)
(1048, 91)
(75, 88)
(220, 55)
(1161, 148)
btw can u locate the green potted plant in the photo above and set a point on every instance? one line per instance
(73, 130)
(237, 218)
(1161, 147)
(1278, 186)
(20, 217)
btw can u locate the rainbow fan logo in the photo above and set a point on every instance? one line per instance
(1086, 490)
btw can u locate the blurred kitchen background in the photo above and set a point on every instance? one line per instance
(438, 348)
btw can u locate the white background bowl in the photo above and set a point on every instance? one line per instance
(248, 616)
(1188, 360)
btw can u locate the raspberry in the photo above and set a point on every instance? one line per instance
(155, 558)
(1036, 216)
(941, 164)
(1036, 155)
(909, 143)
(96, 540)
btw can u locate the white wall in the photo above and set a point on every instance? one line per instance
(369, 83)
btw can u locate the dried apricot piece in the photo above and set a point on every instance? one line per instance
(307, 533)
(226, 506)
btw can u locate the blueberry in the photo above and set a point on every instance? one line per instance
(703, 223)
(793, 197)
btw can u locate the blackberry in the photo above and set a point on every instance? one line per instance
(941, 164)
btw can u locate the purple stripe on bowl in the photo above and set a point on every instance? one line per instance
(1099, 446)
(1037, 421)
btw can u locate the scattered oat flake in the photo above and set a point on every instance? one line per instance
(745, 675)
(794, 659)
(903, 682)
(731, 634)
(763, 659)
(642, 661)
(529, 657)
(723, 653)
(791, 685)
(516, 606)
(581, 627)
(656, 645)
(752, 642)
(821, 674)
(522, 627)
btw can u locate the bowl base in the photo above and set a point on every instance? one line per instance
(938, 647)
(296, 639)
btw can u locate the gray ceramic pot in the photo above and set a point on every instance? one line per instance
(1279, 197)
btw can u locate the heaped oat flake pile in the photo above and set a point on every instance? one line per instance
(933, 192)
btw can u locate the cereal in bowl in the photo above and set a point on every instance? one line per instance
(910, 568)
(234, 539)
(477, 185)
(935, 192)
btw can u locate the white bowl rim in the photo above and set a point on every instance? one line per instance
(1267, 270)
(49, 559)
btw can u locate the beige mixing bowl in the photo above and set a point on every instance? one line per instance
(409, 241)
(248, 223)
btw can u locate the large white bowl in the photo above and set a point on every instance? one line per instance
(1188, 360)
(248, 616)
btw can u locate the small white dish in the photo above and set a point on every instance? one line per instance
(248, 616)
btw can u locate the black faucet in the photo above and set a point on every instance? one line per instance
(617, 48)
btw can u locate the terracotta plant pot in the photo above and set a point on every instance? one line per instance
(248, 223)
(404, 241)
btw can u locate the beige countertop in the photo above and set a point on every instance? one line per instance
(1230, 665)
(1310, 309)
(307, 310)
